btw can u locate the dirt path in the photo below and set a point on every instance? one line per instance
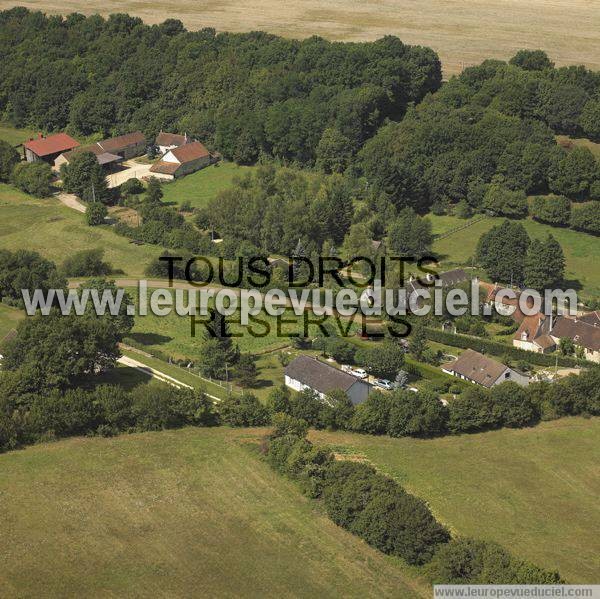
(70, 201)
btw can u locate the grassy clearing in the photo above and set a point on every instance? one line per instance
(581, 142)
(201, 187)
(9, 319)
(582, 251)
(533, 490)
(462, 33)
(172, 334)
(15, 136)
(55, 231)
(175, 514)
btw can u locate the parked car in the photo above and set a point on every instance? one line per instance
(383, 384)
(359, 373)
(346, 368)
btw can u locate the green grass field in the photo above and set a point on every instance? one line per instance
(55, 231)
(9, 319)
(535, 491)
(582, 251)
(15, 136)
(201, 187)
(186, 513)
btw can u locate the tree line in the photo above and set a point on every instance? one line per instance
(380, 511)
(244, 94)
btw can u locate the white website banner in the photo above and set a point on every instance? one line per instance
(452, 591)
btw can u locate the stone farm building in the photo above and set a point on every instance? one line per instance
(111, 151)
(169, 141)
(305, 372)
(476, 368)
(48, 148)
(183, 160)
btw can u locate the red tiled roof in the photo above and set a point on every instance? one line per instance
(53, 144)
(190, 152)
(166, 168)
(170, 139)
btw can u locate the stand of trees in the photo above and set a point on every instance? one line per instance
(245, 94)
(487, 136)
(377, 509)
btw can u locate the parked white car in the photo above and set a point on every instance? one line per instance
(359, 373)
(383, 384)
(346, 368)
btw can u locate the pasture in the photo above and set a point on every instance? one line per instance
(175, 514)
(201, 187)
(463, 33)
(55, 231)
(582, 251)
(9, 319)
(532, 490)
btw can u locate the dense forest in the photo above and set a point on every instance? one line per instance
(487, 137)
(243, 94)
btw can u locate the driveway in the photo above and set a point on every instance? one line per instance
(132, 170)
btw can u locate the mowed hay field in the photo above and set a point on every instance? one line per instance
(187, 513)
(463, 33)
(55, 231)
(582, 251)
(535, 491)
(201, 187)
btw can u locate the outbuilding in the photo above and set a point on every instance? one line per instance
(48, 148)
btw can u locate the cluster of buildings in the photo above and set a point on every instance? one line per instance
(542, 334)
(179, 154)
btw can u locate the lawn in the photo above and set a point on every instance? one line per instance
(535, 491)
(582, 251)
(201, 187)
(172, 334)
(15, 136)
(55, 231)
(9, 319)
(186, 513)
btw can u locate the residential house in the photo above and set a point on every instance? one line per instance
(169, 141)
(450, 278)
(305, 372)
(48, 148)
(533, 334)
(183, 160)
(584, 331)
(478, 369)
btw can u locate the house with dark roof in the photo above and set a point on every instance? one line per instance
(305, 372)
(126, 146)
(183, 160)
(584, 331)
(48, 148)
(169, 141)
(447, 279)
(104, 158)
(533, 334)
(478, 369)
